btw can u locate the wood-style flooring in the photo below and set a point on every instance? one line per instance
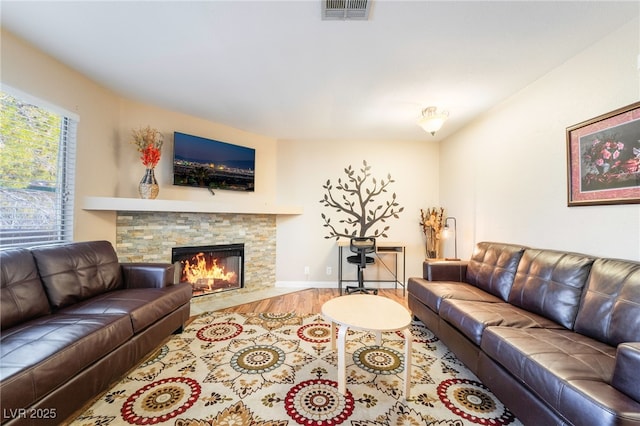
(307, 301)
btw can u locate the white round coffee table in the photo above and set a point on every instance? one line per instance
(368, 313)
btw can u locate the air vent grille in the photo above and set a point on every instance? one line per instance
(346, 9)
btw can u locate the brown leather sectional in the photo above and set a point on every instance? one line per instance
(74, 320)
(555, 335)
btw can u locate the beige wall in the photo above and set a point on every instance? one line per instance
(503, 176)
(134, 114)
(107, 164)
(30, 71)
(304, 166)
(513, 186)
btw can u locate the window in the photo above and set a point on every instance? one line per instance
(37, 168)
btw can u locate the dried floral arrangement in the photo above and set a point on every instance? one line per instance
(148, 142)
(432, 222)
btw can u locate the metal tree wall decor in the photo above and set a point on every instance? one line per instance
(355, 199)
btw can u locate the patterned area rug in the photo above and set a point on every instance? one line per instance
(279, 369)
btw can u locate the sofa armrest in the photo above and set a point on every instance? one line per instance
(444, 270)
(625, 374)
(148, 275)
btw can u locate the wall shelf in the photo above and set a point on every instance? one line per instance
(181, 206)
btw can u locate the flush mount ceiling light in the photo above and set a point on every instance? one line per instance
(432, 119)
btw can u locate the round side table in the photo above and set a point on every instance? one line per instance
(367, 313)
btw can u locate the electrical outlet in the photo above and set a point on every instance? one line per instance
(329, 270)
(306, 270)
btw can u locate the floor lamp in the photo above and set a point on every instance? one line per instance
(455, 235)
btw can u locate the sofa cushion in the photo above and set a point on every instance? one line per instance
(570, 372)
(143, 306)
(22, 296)
(493, 266)
(550, 284)
(433, 293)
(77, 271)
(610, 307)
(472, 317)
(40, 355)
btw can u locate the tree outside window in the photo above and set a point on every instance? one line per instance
(36, 174)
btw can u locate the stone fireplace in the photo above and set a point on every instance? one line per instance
(150, 237)
(210, 269)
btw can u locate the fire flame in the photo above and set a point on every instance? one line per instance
(200, 272)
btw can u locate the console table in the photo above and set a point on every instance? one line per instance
(382, 248)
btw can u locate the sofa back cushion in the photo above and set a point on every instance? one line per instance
(493, 266)
(77, 271)
(610, 307)
(550, 283)
(22, 296)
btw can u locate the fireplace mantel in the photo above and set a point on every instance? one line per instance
(140, 205)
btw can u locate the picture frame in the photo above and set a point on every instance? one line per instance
(603, 159)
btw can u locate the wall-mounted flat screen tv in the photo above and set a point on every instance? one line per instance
(212, 164)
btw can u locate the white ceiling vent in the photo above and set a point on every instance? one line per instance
(346, 9)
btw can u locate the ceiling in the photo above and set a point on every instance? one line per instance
(277, 69)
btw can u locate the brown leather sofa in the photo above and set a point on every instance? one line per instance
(74, 320)
(555, 335)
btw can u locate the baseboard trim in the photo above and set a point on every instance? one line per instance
(306, 284)
(328, 284)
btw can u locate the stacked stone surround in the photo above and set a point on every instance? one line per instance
(150, 236)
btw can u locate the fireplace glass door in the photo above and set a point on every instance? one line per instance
(210, 269)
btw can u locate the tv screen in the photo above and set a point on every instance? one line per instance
(209, 163)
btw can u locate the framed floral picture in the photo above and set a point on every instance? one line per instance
(603, 156)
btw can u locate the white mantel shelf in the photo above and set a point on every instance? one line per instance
(180, 206)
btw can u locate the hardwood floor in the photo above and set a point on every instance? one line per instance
(307, 301)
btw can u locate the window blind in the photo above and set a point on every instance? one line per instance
(37, 173)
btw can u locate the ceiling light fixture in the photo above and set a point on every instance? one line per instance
(432, 119)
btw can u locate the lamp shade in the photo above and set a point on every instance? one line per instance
(446, 234)
(432, 119)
